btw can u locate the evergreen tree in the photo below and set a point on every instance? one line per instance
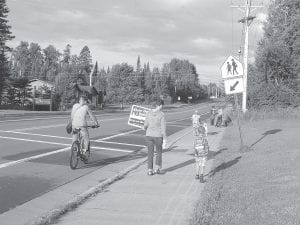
(273, 77)
(138, 65)
(20, 58)
(51, 65)
(35, 61)
(5, 35)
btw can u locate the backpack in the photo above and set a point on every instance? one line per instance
(201, 146)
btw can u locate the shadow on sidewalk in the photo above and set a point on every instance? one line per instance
(212, 154)
(180, 165)
(212, 133)
(224, 166)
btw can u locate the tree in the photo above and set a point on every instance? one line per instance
(138, 65)
(277, 66)
(67, 54)
(20, 58)
(22, 90)
(51, 66)
(122, 85)
(35, 61)
(85, 63)
(5, 35)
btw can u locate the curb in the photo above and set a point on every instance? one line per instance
(53, 215)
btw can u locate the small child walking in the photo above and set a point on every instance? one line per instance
(201, 148)
(196, 122)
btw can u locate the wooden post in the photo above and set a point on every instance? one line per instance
(238, 119)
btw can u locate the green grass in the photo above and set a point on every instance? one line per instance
(280, 113)
(261, 186)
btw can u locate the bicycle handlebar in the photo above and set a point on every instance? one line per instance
(91, 126)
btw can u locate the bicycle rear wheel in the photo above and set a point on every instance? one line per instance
(74, 155)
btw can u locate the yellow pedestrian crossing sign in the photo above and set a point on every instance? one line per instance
(232, 68)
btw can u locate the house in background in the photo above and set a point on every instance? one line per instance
(38, 84)
(42, 94)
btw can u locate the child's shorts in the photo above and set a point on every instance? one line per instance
(200, 160)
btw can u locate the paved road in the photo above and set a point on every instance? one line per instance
(34, 152)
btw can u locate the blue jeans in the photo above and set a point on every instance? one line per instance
(157, 142)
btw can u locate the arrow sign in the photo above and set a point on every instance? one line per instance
(232, 88)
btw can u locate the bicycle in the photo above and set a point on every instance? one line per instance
(76, 149)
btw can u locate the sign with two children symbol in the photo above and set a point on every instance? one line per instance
(232, 73)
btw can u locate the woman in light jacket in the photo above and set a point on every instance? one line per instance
(155, 126)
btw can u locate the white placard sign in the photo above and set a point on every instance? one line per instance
(137, 116)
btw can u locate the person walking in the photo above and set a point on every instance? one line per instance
(196, 122)
(155, 126)
(201, 148)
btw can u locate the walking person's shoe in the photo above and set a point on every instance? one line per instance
(150, 173)
(201, 178)
(197, 177)
(157, 171)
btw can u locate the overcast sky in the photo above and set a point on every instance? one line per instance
(205, 32)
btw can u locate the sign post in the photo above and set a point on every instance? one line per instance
(233, 75)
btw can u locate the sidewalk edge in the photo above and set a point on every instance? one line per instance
(80, 199)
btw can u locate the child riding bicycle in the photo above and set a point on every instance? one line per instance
(79, 114)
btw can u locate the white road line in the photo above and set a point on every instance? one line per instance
(57, 117)
(37, 141)
(41, 118)
(3, 165)
(117, 135)
(40, 127)
(118, 143)
(8, 164)
(41, 135)
(66, 138)
(56, 143)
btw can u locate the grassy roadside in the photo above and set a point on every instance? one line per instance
(261, 186)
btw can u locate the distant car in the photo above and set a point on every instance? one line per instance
(212, 97)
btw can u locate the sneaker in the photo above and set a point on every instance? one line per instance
(201, 178)
(157, 171)
(197, 177)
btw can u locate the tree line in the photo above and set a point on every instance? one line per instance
(274, 77)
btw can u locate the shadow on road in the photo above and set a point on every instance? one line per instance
(107, 161)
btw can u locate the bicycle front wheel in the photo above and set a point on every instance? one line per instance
(74, 155)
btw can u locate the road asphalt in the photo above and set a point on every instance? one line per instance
(129, 196)
(167, 199)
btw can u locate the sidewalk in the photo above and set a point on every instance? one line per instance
(163, 199)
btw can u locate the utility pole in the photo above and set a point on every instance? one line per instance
(91, 74)
(247, 21)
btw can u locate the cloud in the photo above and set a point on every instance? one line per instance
(115, 31)
(206, 43)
